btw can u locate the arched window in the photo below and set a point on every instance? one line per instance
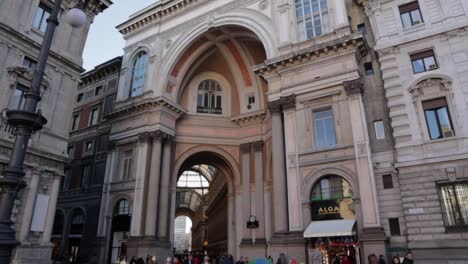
(77, 223)
(331, 187)
(312, 18)
(122, 207)
(139, 74)
(209, 99)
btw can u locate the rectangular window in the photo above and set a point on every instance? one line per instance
(40, 19)
(98, 91)
(324, 129)
(454, 202)
(387, 180)
(438, 119)
(80, 97)
(368, 68)
(93, 119)
(17, 98)
(127, 164)
(66, 179)
(75, 121)
(109, 104)
(88, 147)
(71, 151)
(394, 224)
(29, 63)
(85, 173)
(379, 129)
(423, 61)
(362, 28)
(312, 18)
(410, 14)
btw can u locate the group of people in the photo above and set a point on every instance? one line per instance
(178, 259)
(408, 259)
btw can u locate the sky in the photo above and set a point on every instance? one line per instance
(104, 41)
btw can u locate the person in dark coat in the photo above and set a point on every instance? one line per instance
(381, 260)
(396, 260)
(372, 259)
(408, 258)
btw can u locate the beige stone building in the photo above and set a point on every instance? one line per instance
(284, 100)
(22, 27)
(424, 57)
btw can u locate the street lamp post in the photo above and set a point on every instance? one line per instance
(26, 121)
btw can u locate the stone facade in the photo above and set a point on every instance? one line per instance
(20, 39)
(423, 163)
(261, 132)
(84, 175)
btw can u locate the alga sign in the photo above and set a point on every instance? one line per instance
(333, 209)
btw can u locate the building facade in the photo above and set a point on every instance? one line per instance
(22, 27)
(283, 99)
(423, 54)
(74, 232)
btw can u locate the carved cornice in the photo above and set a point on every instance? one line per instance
(101, 71)
(271, 67)
(144, 137)
(249, 118)
(158, 12)
(146, 104)
(353, 87)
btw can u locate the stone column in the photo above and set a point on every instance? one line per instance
(111, 163)
(373, 236)
(292, 163)
(136, 228)
(257, 210)
(280, 198)
(153, 186)
(341, 15)
(163, 216)
(29, 206)
(51, 211)
(245, 159)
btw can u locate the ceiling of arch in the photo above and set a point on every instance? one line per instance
(193, 185)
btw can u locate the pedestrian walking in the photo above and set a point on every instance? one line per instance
(372, 259)
(396, 260)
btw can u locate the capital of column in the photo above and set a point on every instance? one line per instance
(354, 87)
(245, 147)
(144, 137)
(112, 145)
(258, 145)
(275, 106)
(158, 135)
(288, 102)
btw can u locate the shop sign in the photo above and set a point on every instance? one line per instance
(332, 209)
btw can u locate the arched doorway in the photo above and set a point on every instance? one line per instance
(203, 183)
(120, 229)
(332, 235)
(182, 235)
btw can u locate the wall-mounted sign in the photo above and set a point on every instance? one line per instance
(40, 213)
(333, 209)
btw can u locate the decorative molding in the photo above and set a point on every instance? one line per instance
(249, 118)
(272, 67)
(258, 145)
(131, 107)
(263, 5)
(245, 148)
(144, 137)
(354, 87)
(443, 84)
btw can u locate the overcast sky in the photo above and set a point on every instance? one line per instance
(104, 41)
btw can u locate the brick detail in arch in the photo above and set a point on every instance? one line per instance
(240, 62)
(186, 55)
